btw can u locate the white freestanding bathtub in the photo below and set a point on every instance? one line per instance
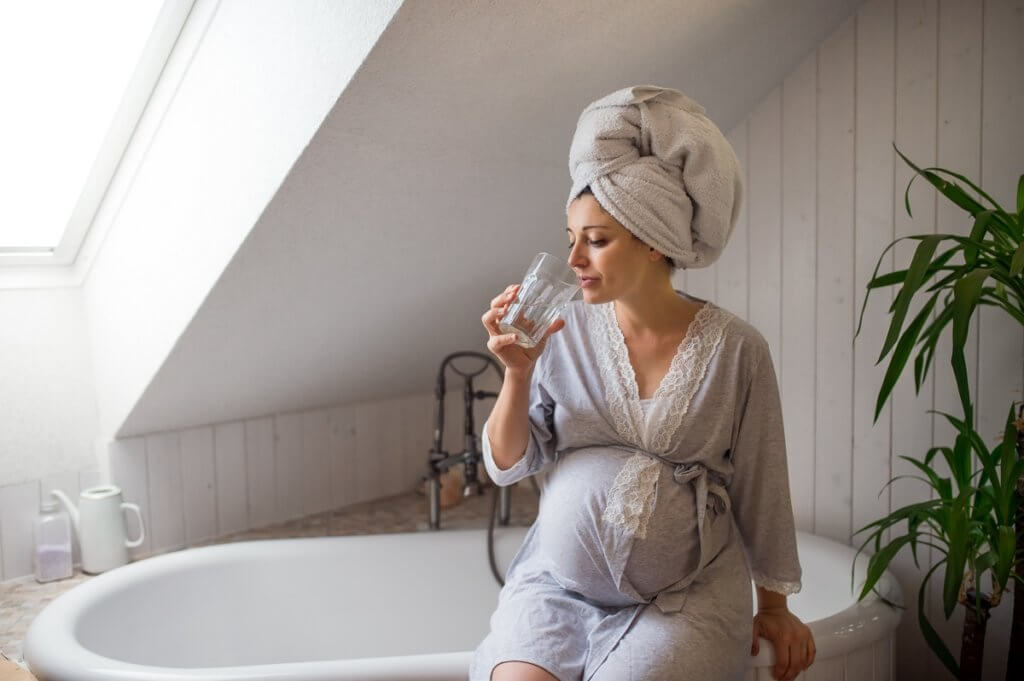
(368, 608)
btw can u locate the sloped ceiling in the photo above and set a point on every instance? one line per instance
(437, 176)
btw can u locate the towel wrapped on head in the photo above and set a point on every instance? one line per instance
(662, 168)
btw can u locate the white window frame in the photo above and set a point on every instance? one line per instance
(168, 26)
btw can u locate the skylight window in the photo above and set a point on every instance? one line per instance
(75, 78)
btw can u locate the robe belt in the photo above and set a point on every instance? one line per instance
(671, 598)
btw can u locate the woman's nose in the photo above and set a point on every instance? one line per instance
(576, 256)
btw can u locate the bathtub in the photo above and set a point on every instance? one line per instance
(367, 607)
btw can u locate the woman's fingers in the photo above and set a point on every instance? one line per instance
(497, 300)
(498, 308)
(500, 341)
(796, 660)
(781, 660)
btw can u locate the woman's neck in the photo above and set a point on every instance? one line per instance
(647, 317)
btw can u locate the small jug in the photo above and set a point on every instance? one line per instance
(100, 526)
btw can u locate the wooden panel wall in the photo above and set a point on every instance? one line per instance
(824, 196)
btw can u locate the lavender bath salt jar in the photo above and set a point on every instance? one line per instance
(53, 543)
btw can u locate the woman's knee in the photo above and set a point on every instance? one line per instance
(521, 671)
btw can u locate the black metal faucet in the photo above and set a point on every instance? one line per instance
(440, 460)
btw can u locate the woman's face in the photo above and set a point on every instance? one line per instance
(600, 247)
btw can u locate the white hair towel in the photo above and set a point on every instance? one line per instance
(662, 168)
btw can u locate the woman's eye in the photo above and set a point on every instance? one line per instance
(595, 242)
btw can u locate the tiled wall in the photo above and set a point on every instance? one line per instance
(206, 482)
(19, 506)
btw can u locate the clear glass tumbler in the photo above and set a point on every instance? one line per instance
(549, 284)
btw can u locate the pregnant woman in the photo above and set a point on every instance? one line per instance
(655, 419)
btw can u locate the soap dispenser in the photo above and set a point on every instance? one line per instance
(53, 543)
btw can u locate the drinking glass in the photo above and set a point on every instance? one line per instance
(549, 284)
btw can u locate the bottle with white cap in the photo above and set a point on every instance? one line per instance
(53, 543)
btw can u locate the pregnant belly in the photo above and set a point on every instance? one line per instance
(591, 555)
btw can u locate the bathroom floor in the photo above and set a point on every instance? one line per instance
(23, 598)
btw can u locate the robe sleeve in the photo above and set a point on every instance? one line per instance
(759, 490)
(540, 449)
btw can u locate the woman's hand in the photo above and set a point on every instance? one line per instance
(516, 358)
(792, 639)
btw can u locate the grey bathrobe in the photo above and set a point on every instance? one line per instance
(654, 514)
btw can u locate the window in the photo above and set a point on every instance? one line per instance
(76, 77)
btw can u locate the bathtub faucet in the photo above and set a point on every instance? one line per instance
(440, 460)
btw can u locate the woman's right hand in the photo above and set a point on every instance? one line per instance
(516, 358)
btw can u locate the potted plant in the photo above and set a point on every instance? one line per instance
(975, 521)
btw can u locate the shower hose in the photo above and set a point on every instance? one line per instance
(490, 528)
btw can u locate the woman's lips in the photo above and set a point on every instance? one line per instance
(587, 283)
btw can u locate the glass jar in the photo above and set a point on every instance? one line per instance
(53, 543)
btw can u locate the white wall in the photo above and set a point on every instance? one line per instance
(235, 106)
(48, 416)
(825, 196)
(249, 98)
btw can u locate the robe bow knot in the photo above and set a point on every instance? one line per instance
(672, 598)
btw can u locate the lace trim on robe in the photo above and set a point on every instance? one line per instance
(776, 585)
(631, 497)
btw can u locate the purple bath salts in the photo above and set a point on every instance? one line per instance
(53, 561)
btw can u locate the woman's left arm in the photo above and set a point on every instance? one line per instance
(791, 638)
(760, 499)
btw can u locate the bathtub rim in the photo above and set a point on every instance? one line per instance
(861, 624)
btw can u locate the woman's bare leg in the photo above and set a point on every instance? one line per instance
(520, 671)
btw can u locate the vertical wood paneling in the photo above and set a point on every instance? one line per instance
(765, 229)
(875, 126)
(414, 415)
(390, 439)
(210, 481)
(1001, 343)
(259, 470)
(701, 282)
(958, 148)
(232, 491)
(367, 460)
(797, 383)
(288, 470)
(342, 455)
(834, 377)
(199, 484)
(916, 52)
(316, 450)
(166, 492)
(903, 71)
(733, 265)
(128, 471)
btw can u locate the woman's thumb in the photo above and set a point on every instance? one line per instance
(755, 645)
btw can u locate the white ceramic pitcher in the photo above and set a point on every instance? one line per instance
(99, 524)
